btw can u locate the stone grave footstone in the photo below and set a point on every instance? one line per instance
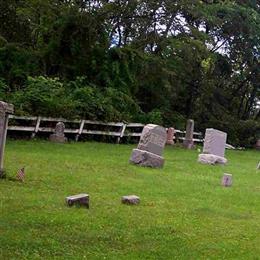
(188, 141)
(58, 135)
(227, 180)
(79, 200)
(5, 110)
(130, 199)
(213, 147)
(150, 147)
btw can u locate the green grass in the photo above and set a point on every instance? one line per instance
(184, 212)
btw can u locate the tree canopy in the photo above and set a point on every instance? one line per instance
(139, 60)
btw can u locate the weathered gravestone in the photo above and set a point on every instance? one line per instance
(227, 180)
(5, 110)
(214, 147)
(150, 147)
(58, 135)
(170, 136)
(130, 199)
(188, 141)
(79, 200)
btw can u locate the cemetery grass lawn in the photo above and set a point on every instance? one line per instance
(184, 212)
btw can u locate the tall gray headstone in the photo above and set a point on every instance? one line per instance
(5, 110)
(58, 135)
(188, 141)
(214, 147)
(150, 148)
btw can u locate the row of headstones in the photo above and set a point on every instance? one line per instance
(151, 144)
(154, 137)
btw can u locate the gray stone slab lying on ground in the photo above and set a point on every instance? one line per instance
(79, 200)
(211, 159)
(150, 147)
(227, 180)
(130, 199)
(144, 158)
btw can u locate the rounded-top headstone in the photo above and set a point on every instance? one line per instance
(59, 129)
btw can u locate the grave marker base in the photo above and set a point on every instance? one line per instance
(211, 159)
(146, 159)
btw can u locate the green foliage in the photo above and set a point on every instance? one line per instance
(151, 61)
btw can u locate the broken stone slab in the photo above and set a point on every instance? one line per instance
(211, 159)
(130, 199)
(147, 159)
(227, 180)
(79, 200)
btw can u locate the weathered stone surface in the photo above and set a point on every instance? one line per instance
(153, 139)
(211, 159)
(213, 147)
(215, 142)
(150, 147)
(188, 141)
(79, 199)
(5, 110)
(144, 158)
(130, 199)
(226, 180)
(170, 136)
(58, 135)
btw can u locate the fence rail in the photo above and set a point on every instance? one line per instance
(119, 130)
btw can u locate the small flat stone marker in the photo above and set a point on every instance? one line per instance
(79, 199)
(227, 180)
(131, 200)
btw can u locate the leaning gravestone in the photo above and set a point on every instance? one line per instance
(150, 147)
(214, 147)
(5, 110)
(188, 141)
(58, 135)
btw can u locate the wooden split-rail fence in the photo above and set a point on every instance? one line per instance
(78, 128)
